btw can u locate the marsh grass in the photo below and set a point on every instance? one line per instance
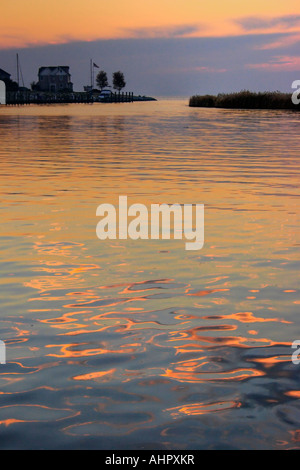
(245, 100)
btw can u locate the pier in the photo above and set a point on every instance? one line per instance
(37, 97)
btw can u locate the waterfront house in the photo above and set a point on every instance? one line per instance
(55, 79)
(4, 76)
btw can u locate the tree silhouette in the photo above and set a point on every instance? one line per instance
(34, 86)
(118, 81)
(101, 80)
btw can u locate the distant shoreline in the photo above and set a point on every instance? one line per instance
(26, 97)
(245, 100)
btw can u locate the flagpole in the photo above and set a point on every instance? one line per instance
(93, 65)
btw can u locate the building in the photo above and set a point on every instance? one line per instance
(10, 85)
(55, 79)
(4, 76)
(2, 92)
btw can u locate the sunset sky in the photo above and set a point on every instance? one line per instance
(163, 46)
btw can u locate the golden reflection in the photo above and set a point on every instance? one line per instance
(196, 409)
(295, 435)
(269, 362)
(103, 319)
(209, 342)
(293, 393)
(69, 350)
(106, 375)
(45, 413)
(207, 292)
(9, 422)
(246, 317)
(236, 375)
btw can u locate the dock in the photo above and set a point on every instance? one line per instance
(36, 97)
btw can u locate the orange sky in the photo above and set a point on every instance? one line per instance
(34, 22)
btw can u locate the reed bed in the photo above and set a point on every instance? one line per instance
(246, 100)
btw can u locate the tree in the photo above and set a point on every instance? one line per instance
(34, 86)
(118, 81)
(101, 80)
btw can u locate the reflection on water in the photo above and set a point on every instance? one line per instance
(141, 344)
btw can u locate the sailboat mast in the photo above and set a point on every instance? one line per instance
(18, 71)
(91, 74)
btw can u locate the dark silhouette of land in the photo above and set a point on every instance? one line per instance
(33, 97)
(55, 86)
(245, 100)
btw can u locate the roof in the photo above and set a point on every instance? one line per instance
(54, 70)
(2, 72)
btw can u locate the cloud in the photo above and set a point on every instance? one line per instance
(281, 43)
(180, 31)
(192, 69)
(278, 63)
(11, 41)
(210, 69)
(253, 23)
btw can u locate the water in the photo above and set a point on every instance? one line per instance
(141, 344)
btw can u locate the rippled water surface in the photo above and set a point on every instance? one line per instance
(141, 344)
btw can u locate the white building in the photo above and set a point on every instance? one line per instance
(2, 92)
